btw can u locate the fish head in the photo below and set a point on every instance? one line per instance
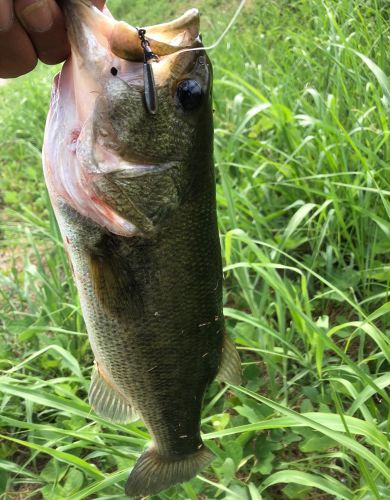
(113, 132)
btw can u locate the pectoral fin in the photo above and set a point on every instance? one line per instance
(113, 281)
(107, 402)
(230, 369)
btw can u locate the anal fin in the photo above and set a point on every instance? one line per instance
(230, 369)
(107, 402)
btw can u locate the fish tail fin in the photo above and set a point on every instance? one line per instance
(153, 473)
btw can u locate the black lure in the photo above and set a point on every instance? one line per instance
(149, 84)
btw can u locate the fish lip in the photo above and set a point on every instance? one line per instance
(122, 39)
(164, 39)
(99, 43)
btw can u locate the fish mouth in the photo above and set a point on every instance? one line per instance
(164, 39)
(94, 35)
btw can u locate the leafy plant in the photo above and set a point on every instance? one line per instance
(302, 154)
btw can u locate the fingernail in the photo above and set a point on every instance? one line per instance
(37, 16)
(6, 14)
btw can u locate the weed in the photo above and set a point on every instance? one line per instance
(302, 156)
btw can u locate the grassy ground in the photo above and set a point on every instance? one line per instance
(302, 152)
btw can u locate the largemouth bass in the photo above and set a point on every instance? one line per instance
(133, 189)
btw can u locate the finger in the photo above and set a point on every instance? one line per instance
(44, 23)
(99, 4)
(17, 54)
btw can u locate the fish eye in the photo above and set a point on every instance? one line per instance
(189, 94)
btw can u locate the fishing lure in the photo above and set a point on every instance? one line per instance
(149, 84)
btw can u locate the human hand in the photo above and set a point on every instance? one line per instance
(31, 30)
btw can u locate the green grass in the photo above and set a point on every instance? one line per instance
(302, 153)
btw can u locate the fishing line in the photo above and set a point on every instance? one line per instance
(223, 34)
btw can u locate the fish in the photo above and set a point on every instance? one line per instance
(128, 163)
